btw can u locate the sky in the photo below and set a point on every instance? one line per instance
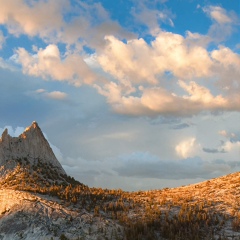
(131, 94)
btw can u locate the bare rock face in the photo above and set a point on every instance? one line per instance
(30, 146)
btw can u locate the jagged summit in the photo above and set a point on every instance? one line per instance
(30, 147)
(33, 128)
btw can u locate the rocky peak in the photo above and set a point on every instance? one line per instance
(33, 132)
(34, 126)
(5, 135)
(30, 145)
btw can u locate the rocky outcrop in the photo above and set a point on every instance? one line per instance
(30, 216)
(30, 146)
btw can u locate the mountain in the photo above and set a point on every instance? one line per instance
(29, 156)
(39, 201)
(31, 146)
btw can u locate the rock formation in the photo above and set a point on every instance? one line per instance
(30, 146)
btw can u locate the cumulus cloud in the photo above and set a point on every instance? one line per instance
(48, 63)
(47, 19)
(140, 72)
(187, 148)
(232, 147)
(227, 68)
(202, 95)
(218, 14)
(139, 62)
(32, 17)
(223, 22)
(156, 100)
(56, 95)
(233, 137)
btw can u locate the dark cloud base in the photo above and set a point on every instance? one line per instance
(190, 168)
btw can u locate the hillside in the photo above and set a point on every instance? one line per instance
(39, 201)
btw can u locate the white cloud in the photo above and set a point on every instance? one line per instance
(57, 95)
(202, 95)
(46, 19)
(233, 150)
(156, 100)
(229, 135)
(6, 65)
(218, 14)
(223, 22)
(227, 67)
(232, 146)
(188, 148)
(48, 63)
(138, 62)
(223, 133)
(20, 17)
(140, 73)
(40, 90)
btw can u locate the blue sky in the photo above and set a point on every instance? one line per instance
(130, 94)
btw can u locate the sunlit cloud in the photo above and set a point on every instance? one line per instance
(188, 148)
(223, 22)
(218, 14)
(34, 19)
(48, 63)
(56, 95)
